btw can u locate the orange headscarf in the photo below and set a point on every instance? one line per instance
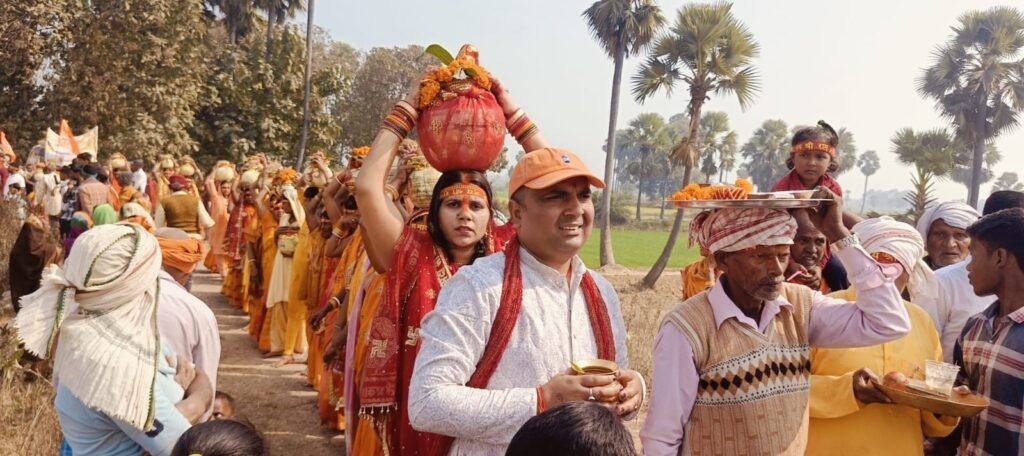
(183, 255)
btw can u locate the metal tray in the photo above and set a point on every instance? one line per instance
(748, 203)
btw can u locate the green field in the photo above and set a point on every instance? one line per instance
(639, 249)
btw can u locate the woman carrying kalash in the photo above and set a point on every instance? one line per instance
(418, 262)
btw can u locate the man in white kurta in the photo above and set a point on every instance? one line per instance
(188, 326)
(552, 330)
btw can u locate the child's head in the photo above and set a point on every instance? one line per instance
(573, 428)
(814, 152)
(223, 406)
(221, 438)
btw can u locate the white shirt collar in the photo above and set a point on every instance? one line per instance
(723, 308)
(547, 273)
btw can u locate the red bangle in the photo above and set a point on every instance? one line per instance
(540, 400)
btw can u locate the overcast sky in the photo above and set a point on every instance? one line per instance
(852, 63)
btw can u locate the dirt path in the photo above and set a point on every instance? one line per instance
(277, 401)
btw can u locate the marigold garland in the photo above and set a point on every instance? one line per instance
(361, 152)
(697, 192)
(285, 176)
(431, 85)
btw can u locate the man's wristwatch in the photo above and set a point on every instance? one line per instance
(845, 242)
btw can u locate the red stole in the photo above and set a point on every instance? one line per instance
(792, 183)
(508, 314)
(236, 231)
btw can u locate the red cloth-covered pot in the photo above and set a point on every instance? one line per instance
(463, 129)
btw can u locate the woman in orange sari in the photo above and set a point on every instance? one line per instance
(343, 251)
(417, 263)
(219, 194)
(268, 253)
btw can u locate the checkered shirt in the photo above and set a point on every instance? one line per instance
(990, 352)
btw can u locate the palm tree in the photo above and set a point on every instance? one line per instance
(868, 164)
(712, 52)
(727, 155)
(647, 134)
(623, 28)
(923, 195)
(238, 16)
(931, 153)
(766, 153)
(277, 12)
(1008, 181)
(977, 80)
(307, 85)
(714, 131)
(846, 151)
(963, 161)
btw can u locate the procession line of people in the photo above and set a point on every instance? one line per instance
(429, 326)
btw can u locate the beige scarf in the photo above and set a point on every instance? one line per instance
(103, 306)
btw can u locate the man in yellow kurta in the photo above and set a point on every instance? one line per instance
(848, 415)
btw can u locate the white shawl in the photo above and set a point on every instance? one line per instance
(103, 306)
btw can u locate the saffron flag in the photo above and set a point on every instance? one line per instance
(65, 131)
(5, 147)
(59, 147)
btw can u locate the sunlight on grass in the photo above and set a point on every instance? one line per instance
(639, 249)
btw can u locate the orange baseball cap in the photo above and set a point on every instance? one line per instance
(545, 167)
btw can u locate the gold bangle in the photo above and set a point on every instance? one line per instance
(391, 190)
(514, 117)
(408, 108)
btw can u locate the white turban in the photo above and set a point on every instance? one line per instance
(903, 242)
(731, 230)
(108, 345)
(953, 213)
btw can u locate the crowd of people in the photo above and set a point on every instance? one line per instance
(431, 324)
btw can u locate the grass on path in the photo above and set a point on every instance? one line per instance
(638, 249)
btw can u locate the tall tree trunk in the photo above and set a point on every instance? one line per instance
(689, 160)
(979, 161)
(864, 196)
(607, 256)
(308, 84)
(640, 183)
(664, 184)
(659, 266)
(270, 33)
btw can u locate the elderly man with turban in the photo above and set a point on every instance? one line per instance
(850, 416)
(955, 301)
(117, 390)
(186, 323)
(944, 230)
(732, 364)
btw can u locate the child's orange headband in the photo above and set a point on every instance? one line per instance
(814, 145)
